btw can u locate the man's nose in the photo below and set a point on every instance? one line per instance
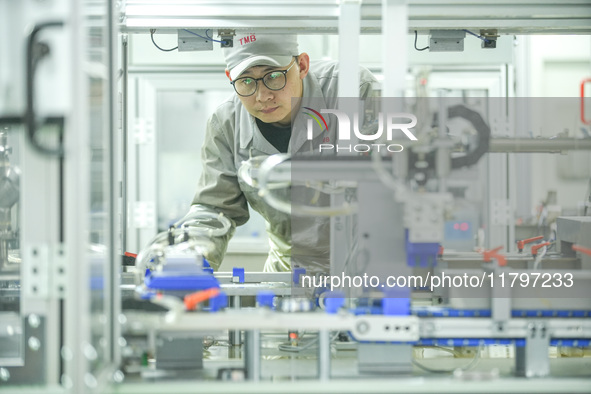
(263, 92)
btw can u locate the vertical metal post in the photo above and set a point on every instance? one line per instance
(234, 335)
(78, 350)
(324, 355)
(394, 47)
(252, 356)
(443, 154)
(532, 359)
(349, 29)
(124, 139)
(112, 143)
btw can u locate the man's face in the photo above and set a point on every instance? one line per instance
(274, 106)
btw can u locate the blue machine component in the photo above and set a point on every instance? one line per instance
(265, 298)
(433, 311)
(423, 254)
(181, 282)
(395, 302)
(549, 313)
(297, 272)
(447, 312)
(333, 301)
(396, 306)
(238, 273)
(470, 341)
(218, 302)
(517, 342)
(181, 273)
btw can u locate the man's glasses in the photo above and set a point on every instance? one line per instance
(274, 80)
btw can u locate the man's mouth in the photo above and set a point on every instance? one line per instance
(268, 110)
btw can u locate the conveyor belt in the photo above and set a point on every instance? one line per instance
(447, 312)
(518, 342)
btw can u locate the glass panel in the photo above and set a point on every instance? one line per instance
(97, 54)
(10, 257)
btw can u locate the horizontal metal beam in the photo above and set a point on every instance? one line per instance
(321, 16)
(431, 327)
(532, 145)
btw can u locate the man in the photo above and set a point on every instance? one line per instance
(267, 72)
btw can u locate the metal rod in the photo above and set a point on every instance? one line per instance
(252, 357)
(324, 355)
(234, 335)
(530, 145)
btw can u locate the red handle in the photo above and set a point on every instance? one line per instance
(521, 244)
(535, 248)
(583, 82)
(487, 255)
(582, 249)
(194, 299)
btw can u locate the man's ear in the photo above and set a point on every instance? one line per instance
(304, 64)
(228, 75)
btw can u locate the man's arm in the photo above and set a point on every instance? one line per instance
(218, 189)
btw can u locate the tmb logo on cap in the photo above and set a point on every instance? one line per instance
(247, 39)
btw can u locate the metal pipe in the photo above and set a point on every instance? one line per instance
(252, 359)
(234, 335)
(531, 145)
(324, 355)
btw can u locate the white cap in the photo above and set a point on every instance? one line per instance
(254, 49)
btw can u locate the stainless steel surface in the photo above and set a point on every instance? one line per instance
(533, 145)
(526, 16)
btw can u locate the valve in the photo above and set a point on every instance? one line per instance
(535, 248)
(194, 299)
(521, 244)
(488, 255)
(582, 249)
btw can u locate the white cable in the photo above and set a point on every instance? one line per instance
(386, 178)
(541, 254)
(470, 365)
(267, 168)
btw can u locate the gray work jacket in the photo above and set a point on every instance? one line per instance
(232, 137)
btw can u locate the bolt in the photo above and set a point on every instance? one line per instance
(34, 343)
(66, 353)
(90, 352)
(90, 380)
(118, 376)
(362, 327)
(532, 329)
(66, 381)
